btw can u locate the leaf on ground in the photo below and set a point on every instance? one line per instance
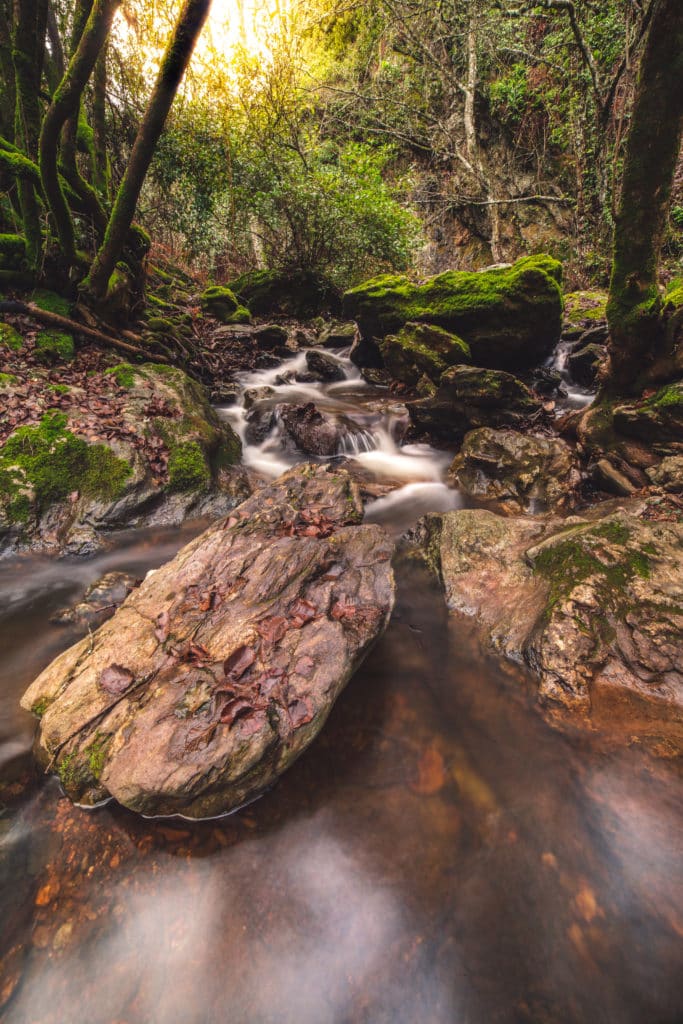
(116, 679)
(239, 661)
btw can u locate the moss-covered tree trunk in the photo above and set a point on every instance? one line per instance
(652, 150)
(99, 126)
(65, 105)
(28, 53)
(174, 64)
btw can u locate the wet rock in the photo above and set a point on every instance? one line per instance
(516, 471)
(253, 395)
(469, 397)
(594, 608)
(325, 368)
(338, 335)
(99, 602)
(668, 474)
(221, 668)
(311, 431)
(547, 382)
(510, 317)
(585, 363)
(365, 354)
(419, 350)
(376, 377)
(272, 338)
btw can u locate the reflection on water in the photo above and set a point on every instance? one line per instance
(437, 855)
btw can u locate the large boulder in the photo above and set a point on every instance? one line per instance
(469, 397)
(595, 609)
(422, 349)
(147, 438)
(222, 304)
(516, 472)
(287, 293)
(221, 668)
(510, 317)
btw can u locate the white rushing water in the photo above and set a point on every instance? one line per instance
(371, 428)
(577, 397)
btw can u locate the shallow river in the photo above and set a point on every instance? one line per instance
(438, 855)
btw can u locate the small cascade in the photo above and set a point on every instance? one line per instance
(353, 444)
(577, 397)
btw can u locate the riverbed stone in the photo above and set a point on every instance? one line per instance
(516, 472)
(469, 397)
(220, 669)
(324, 367)
(594, 608)
(311, 431)
(419, 350)
(510, 317)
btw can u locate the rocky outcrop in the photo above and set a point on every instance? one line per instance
(516, 472)
(422, 350)
(469, 397)
(510, 317)
(222, 667)
(594, 608)
(160, 454)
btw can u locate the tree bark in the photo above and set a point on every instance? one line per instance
(651, 154)
(174, 64)
(65, 104)
(28, 55)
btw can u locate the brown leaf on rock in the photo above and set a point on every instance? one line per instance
(300, 713)
(302, 612)
(116, 679)
(273, 629)
(161, 630)
(234, 709)
(239, 661)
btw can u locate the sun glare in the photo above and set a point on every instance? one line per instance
(247, 24)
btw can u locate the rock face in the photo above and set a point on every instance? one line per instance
(168, 448)
(469, 397)
(516, 471)
(422, 349)
(594, 608)
(220, 669)
(510, 317)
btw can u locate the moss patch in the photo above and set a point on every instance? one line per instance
(579, 306)
(7, 380)
(188, 469)
(10, 338)
(54, 346)
(51, 302)
(123, 374)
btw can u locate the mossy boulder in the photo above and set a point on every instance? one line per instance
(658, 420)
(221, 303)
(54, 346)
(594, 609)
(422, 349)
(287, 293)
(10, 338)
(469, 397)
(510, 317)
(584, 309)
(516, 472)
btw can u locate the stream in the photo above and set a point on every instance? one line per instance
(439, 854)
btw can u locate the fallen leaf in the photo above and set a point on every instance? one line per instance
(239, 661)
(115, 679)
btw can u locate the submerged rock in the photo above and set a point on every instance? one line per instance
(594, 608)
(510, 317)
(516, 471)
(222, 667)
(312, 431)
(469, 397)
(99, 602)
(323, 367)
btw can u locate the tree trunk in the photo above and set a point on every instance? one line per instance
(99, 125)
(28, 55)
(66, 104)
(652, 150)
(174, 64)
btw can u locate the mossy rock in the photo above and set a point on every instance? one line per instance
(422, 349)
(41, 465)
(10, 338)
(219, 302)
(51, 302)
(268, 292)
(188, 469)
(658, 420)
(510, 317)
(585, 308)
(123, 374)
(53, 346)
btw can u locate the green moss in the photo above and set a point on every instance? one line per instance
(51, 302)
(188, 469)
(668, 397)
(580, 306)
(673, 298)
(219, 302)
(40, 707)
(123, 374)
(7, 380)
(12, 251)
(43, 464)
(95, 754)
(420, 349)
(54, 346)
(240, 316)
(59, 389)
(10, 338)
(66, 769)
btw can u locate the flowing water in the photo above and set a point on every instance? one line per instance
(438, 855)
